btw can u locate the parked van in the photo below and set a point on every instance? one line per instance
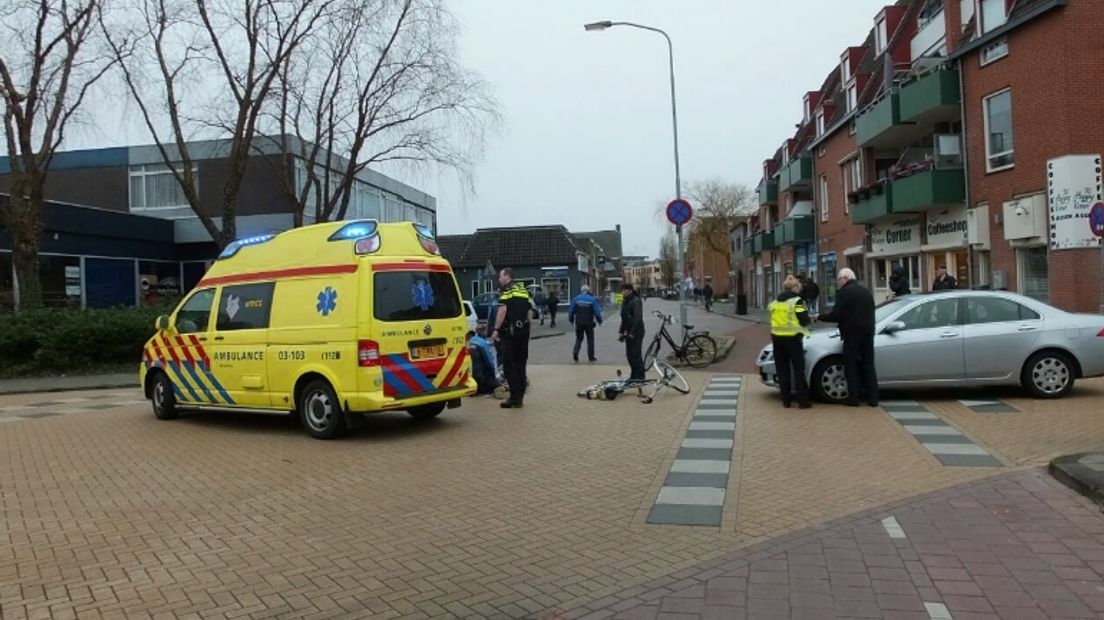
(326, 321)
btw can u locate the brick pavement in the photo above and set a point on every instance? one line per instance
(1018, 545)
(484, 513)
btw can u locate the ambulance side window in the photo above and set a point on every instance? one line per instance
(245, 307)
(196, 312)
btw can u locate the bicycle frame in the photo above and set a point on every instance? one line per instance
(679, 349)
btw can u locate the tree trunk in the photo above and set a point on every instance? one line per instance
(26, 228)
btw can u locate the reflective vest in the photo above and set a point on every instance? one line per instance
(783, 318)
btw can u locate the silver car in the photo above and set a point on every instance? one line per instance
(962, 337)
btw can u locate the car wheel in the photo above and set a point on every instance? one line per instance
(829, 381)
(163, 398)
(1048, 374)
(427, 412)
(320, 411)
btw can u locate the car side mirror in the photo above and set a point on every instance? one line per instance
(894, 327)
(162, 322)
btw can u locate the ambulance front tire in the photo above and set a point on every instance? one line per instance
(320, 411)
(427, 412)
(163, 397)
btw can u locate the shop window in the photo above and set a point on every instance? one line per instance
(1035, 274)
(829, 277)
(60, 277)
(110, 282)
(158, 282)
(245, 307)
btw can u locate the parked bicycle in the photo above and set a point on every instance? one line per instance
(698, 349)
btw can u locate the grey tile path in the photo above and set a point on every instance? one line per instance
(944, 441)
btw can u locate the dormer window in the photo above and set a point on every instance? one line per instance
(808, 109)
(881, 34)
(994, 14)
(852, 96)
(845, 67)
(820, 122)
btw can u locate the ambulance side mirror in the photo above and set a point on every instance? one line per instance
(162, 322)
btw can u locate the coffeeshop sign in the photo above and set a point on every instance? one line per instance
(947, 229)
(895, 238)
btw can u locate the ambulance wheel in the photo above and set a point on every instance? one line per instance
(427, 412)
(163, 398)
(320, 411)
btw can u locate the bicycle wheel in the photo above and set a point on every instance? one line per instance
(651, 354)
(701, 351)
(670, 376)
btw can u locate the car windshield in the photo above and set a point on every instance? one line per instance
(888, 307)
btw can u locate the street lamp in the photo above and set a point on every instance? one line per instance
(605, 25)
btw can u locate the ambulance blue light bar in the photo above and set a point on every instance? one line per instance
(424, 231)
(355, 230)
(233, 248)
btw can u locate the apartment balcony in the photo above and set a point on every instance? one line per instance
(768, 192)
(929, 189)
(749, 247)
(795, 230)
(763, 241)
(880, 124)
(933, 98)
(798, 174)
(872, 203)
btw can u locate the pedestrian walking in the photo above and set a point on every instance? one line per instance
(632, 331)
(789, 320)
(707, 295)
(943, 280)
(584, 312)
(540, 300)
(512, 326)
(553, 305)
(810, 293)
(899, 282)
(854, 313)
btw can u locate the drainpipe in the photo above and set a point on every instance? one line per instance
(966, 167)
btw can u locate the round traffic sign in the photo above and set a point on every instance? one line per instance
(679, 212)
(1096, 219)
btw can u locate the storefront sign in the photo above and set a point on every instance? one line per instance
(894, 238)
(947, 229)
(1073, 187)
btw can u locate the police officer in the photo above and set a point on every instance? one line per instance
(789, 327)
(512, 328)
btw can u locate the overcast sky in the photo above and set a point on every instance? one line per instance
(587, 141)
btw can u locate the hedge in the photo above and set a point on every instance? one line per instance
(51, 340)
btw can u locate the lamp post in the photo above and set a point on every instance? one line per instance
(679, 261)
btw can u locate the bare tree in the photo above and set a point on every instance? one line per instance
(719, 207)
(47, 66)
(216, 65)
(668, 259)
(381, 83)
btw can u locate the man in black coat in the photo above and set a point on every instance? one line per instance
(854, 313)
(632, 331)
(943, 280)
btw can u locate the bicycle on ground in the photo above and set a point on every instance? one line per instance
(698, 349)
(668, 377)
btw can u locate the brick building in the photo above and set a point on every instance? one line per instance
(960, 133)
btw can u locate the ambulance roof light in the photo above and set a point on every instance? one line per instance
(233, 248)
(355, 230)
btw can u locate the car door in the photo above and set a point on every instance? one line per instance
(180, 350)
(239, 343)
(928, 348)
(1000, 334)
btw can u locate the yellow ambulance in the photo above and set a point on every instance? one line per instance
(325, 321)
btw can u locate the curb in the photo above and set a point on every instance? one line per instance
(1070, 471)
(70, 388)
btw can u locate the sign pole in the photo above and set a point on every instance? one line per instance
(1096, 225)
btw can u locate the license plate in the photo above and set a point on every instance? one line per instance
(437, 350)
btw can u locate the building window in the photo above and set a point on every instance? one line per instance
(994, 51)
(845, 67)
(998, 130)
(852, 179)
(1034, 277)
(881, 35)
(852, 96)
(820, 122)
(822, 198)
(931, 10)
(153, 187)
(993, 15)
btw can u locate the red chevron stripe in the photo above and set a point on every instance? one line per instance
(456, 366)
(201, 352)
(402, 374)
(184, 348)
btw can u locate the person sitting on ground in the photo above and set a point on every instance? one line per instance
(483, 361)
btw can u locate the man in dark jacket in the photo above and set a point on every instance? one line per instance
(810, 292)
(584, 312)
(943, 280)
(632, 331)
(854, 313)
(899, 282)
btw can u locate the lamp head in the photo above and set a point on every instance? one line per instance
(597, 26)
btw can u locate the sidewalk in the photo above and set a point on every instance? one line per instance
(68, 383)
(728, 308)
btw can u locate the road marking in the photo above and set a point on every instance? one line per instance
(946, 443)
(701, 467)
(691, 496)
(917, 429)
(955, 448)
(712, 426)
(706, 443)
(893, 528)
(938, 611)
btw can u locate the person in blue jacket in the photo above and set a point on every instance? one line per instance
(483, 361)
(585, 312)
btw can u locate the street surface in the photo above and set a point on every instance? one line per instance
(550, 511)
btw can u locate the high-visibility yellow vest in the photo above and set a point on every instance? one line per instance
(783, 318)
